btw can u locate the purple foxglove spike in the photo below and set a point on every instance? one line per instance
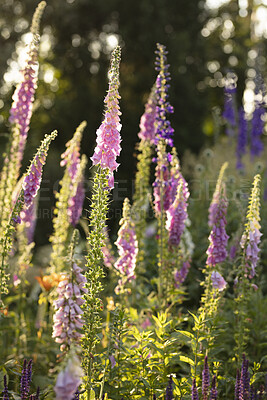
(218, 281)
(169, 390)
(108, 135)
(23, 97)
(180, 276)
(176, 217)
(68, 320)
(177, 177)
(163, 127)
(213, 391)
(147, 121)
(28, 217)
(251, 236)
(5, 391)
(127, 248)
(162, 186)
(71, 156)
(154, 397)
(76, 204)
(205, 380)
(217, 251)
(232, 252)
(194, 395)
(32, 180)
(68, 380)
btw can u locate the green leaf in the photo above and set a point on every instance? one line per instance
(187, 334)
(187, 360)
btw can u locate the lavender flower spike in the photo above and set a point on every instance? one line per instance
(169, 390)
(5, 391)
(108, 135)
(213, 391)
(194, 395)
(32, 180)
(251, 237)
(245, 378)
(68, 380)
(205, 380)
(127, 247)
(25, 380)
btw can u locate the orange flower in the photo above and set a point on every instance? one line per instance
(4, 311)
(47, 282)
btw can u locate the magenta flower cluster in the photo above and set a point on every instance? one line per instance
(128, 249)
(33, 179)
(71, 156)
(28, 217)
(23, 97)
(76, 204)
(75, 168)
(68, 318)
(147, 122)
(218, 281)
(108, 135)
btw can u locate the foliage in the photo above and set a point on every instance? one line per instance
(187, 317)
